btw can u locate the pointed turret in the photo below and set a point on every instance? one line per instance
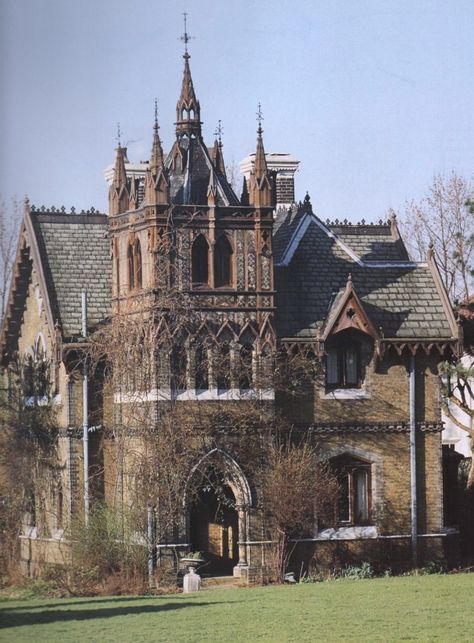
(218, 158)
(156, 182)
(260, 187)
(260, 167)
(156, 160)
(119, 197)
(212, 189)
(188, 110)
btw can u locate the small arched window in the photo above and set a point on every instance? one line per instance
(200, 261)
(222, 262)
(131, 268)
(201, 367)
(223, 367)
(138, 264)
(178, 368)
(245, 370)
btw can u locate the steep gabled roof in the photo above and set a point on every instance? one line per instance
(403, 299)
(189, 177)
(70, 254)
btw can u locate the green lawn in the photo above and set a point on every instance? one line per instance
(416, 608)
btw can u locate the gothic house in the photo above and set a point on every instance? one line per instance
(258, 285)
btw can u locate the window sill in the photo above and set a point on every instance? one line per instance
(348, 533)
(346, 394)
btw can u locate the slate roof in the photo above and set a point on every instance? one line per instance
(74, 250)
(189, 185)
(400, 298)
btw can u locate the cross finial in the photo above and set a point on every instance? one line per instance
(219, 131)
(119, 134)
(186, 37)
(156, 126)
(259, 119)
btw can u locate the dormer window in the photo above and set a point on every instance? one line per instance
(344, 360)
(222, 262)
(343, 369)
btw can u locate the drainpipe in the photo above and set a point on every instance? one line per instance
(413, 487)
(85, 414)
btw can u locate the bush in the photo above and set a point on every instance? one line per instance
(353, 572)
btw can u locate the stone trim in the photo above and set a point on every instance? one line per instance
(374, 428)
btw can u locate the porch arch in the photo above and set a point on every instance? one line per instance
(234, 478)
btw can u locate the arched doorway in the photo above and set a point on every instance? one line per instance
(214, 529)
(216, 501)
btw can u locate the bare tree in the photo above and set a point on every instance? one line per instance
(443, 218)
(299, 489)
(9, 223)
(458, 389)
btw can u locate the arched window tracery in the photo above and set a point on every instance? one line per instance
(200, 261)
(223, 253)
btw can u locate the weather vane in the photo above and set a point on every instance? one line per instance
(219, 131)
(156, 115)
(259, 118)
(186, 37)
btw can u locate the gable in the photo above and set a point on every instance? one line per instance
(400, 298)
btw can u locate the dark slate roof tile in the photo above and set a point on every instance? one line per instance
(399, 299)
(75, 256)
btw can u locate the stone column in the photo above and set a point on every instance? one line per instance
(242, 517)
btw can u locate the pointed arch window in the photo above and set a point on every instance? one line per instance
(223, 367)
(246, 366)
(131, 268)
(178, 368)
(222, 262)
(138, 263)
(200, 261)
(201, 367)
(134, 260)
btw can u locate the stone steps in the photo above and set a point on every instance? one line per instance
(220, 582)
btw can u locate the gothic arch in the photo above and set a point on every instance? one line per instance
(223, 262)
(138, 265)
(200, 261)
(235, 477)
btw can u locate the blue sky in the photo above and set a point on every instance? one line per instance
(373, 96)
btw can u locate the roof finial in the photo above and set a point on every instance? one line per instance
(119, 134)
(219, 131)
(349, 278)
(185, 37)
(156, 127)
(259, 120)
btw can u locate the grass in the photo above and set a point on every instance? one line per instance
(415, 608)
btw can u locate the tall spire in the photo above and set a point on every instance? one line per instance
(260, 161)
(260, 187)
(156, 159)
(156, 181)
(118, 193)
(188, 110)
